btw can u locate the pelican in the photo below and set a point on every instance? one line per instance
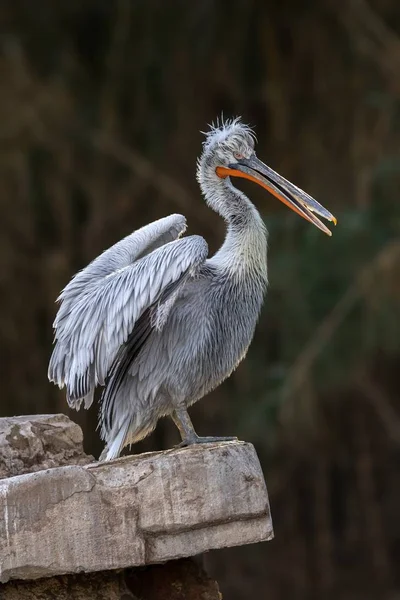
(156, 321)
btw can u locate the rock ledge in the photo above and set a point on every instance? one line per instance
(136, 510)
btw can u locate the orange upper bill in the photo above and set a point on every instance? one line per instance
(300, 202)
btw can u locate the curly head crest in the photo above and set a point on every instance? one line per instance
(228, 130)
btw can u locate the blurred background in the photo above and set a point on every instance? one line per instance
(101, 107)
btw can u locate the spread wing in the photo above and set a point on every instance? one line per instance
(102, 303)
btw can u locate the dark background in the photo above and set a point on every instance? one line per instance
(101, 107)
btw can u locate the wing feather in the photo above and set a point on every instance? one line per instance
(130, 350)
(133, 247)
(101, 315)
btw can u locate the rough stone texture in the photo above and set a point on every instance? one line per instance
(33, 443)
(94, 586)
(178, 580)
(132, 511)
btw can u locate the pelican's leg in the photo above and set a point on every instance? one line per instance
(181, 418)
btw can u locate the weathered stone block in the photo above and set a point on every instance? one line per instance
(36, 442)
(136, 510)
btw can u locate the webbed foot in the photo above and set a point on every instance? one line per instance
(189, 436)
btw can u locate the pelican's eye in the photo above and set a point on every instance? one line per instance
(237, 155)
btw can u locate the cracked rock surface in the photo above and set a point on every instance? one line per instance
(37, 442)
(133, 511)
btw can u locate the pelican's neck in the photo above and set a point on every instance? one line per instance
(245, 245)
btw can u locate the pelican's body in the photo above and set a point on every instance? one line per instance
(207, 333)
(156, 321)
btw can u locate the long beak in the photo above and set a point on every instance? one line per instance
(304, 205)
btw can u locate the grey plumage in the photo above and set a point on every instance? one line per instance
(157, 322)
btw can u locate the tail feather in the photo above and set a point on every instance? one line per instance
(113, 449)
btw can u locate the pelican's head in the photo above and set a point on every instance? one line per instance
(228, 151)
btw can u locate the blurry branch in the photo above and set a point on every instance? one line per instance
(297, 551)
(371, 34)
(381, 404)
(33, 114)
(144, 169)
(370, 508)
(35, 97)
(323, 538)
(119, 39)
(26, 116)
(386, 259)
(109, 117)
(12, 48)
(109, 146)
